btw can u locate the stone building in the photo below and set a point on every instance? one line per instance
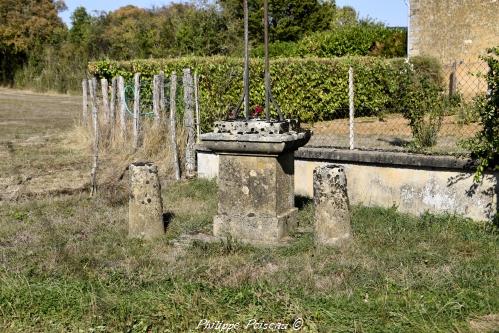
(455, 31)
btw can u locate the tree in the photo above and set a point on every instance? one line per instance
(346, 16)
(26, 26)
(130, 33)
(289, 19)
(188, 29)
(81, 24)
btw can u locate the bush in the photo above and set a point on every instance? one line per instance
(361, 40)
(277, 50)
(310, 89)
(421, 100)
(484, 147)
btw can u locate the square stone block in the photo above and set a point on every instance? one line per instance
(256, 197)
(258, 229)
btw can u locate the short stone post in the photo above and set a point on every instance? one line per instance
(332, 208)
(145, 210)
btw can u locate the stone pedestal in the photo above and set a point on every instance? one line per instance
(332, 208)
(145, 209)
(256, 180)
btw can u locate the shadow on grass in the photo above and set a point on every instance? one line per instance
(301, 202)
(397, 142)
(167, 218)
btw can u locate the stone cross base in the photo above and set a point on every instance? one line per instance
(256, 197)
(255, 229)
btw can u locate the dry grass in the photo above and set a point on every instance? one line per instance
(45, 150)
(485, 324)
(36, 155)
(393, 124)
(66, 264)
(116, 153)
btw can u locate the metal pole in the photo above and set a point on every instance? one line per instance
(267, 66)
(246, 61)
(351, 93)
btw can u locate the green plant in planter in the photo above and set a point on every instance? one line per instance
(421, 101)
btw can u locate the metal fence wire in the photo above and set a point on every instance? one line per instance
(389, 130)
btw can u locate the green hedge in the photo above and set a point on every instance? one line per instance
(350, 40)
(310, 89)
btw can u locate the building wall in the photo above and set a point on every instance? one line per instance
(456, 32)
(453, 30)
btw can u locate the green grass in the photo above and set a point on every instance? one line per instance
(66, 264)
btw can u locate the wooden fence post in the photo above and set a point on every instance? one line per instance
(351, 95)
(93, 96)
(156, 99)
(162, 104)
(173, 124)
(84, 86)
(190, 152)
(105, 100)
(136, 111)
(122, 104)
(112, 114)
(196, 101)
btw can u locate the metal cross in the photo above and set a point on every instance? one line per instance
(268, 91)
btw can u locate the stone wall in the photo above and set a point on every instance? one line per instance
(453, 30)
(413, 183)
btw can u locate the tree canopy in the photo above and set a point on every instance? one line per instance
(33, 38)
(26, 24)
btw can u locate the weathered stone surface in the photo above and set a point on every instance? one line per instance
(256, 197)
(332, 208)
(414, 183)
(256, 126)
(256, 178)
(256, 137)
(145, 210)
(258, 229)
(455, 31)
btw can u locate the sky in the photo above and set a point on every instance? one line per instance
(390, 12)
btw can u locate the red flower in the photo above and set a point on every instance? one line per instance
(258, 111)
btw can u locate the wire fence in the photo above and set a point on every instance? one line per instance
(389, 130)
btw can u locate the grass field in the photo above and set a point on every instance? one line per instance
(37, 153)
(67, 265)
